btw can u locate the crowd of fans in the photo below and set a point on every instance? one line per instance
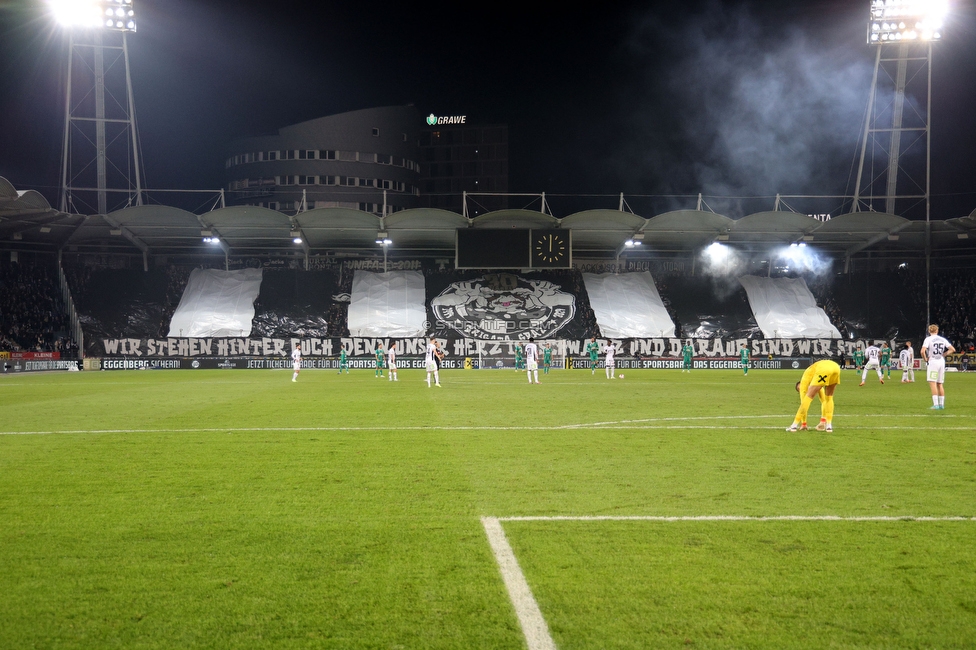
(953, 305)
(32, 316)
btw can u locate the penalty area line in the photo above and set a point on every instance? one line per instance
(527, 610)
(534, 626)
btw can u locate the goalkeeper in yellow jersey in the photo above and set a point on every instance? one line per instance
(819, 380)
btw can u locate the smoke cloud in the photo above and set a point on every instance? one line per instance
(758, 109)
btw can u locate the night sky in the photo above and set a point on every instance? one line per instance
(726, 98)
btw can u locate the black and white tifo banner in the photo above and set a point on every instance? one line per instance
(189, 348)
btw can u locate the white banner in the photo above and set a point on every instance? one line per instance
(388, 304)
(217, 303)
(785, 308)
(628, 305)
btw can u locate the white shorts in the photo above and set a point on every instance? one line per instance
(610, 363)
(296, 365)
(935, 371)
(391, 364)
(872, 363)
(531, 365)
(431, 366)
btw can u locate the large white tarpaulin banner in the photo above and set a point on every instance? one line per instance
(785, 308)
(628, 305)
(217, 303)
(388, 304)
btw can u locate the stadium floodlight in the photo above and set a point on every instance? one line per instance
(630, 243)
(383, 238)
(717, 252)
(115, 15)
(899, 21)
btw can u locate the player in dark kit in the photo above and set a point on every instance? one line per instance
(593, 349)
(380, 358)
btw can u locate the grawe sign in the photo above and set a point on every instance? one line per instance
(434, 120)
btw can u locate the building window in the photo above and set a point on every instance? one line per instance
(272, 155)
(290, 154)
(376, 132)
(326, 154)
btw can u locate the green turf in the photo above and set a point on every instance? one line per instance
(241, 510)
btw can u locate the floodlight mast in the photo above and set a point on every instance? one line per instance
(100, 154)
(903, 32)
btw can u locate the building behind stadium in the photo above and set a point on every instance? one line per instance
(378, 160)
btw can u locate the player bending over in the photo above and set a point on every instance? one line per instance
(296, 361)
(820, 379)
(532, 361)
(430, 361)
(873, 354)
(934, 351)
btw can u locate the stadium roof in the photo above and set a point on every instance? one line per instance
(27, 221)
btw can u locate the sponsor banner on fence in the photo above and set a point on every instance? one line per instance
(778, 363)
(28, 365)
(36, 355)
(257, 363)
(656, 348)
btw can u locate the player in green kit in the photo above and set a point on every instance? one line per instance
(593, 349)
(546, 358)
(519, 356)
(858, 359)
(744, 359)
(380, 358)
(343, 361)
(886, 359)
(687, 352)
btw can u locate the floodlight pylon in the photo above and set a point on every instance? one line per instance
(101, 165)
(893, 169)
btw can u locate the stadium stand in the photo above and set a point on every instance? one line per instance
(32, 316)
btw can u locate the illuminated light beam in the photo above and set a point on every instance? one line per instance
(115, 15)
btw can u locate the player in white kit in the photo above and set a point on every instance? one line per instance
(391, 362)
(296, 361)
(873, 356)
(906, 359)
(934, 351)
(430, 361)
(608, 363)
(532, 360)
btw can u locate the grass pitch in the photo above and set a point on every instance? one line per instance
(163, 509)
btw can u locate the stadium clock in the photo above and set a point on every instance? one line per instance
(550, 249)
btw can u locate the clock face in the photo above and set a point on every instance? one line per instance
(550, 249)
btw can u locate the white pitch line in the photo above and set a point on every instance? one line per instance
(527, 610)
(642, 424)
(724, 518)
